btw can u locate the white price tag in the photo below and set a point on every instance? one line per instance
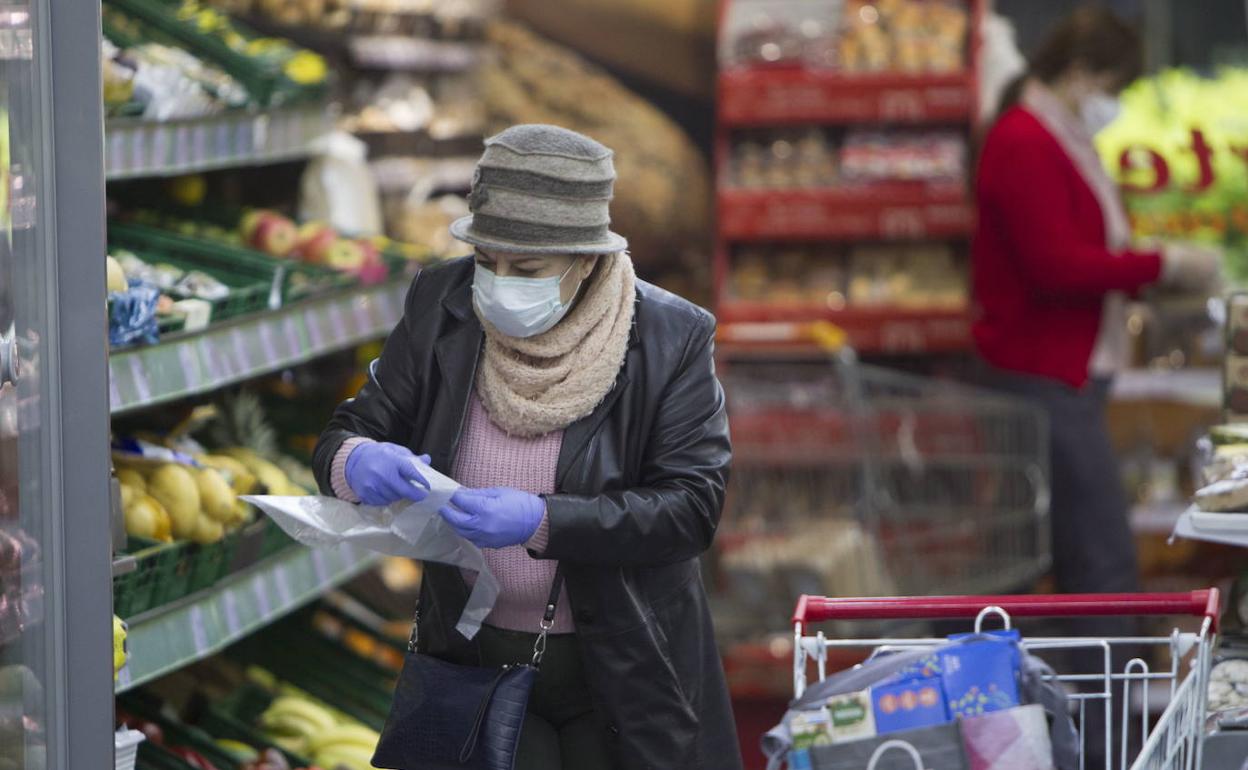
(386, 301)
(114, 395)
(138, 147)
(318, 566)
(190, 367)
(242, 354)
(229, 607)
(160, 147)
(363, 318)
(182, 146)
(337, 323)
(261, 592)
(123, 677)
(199, 634)
(139, 377)
(283, 587)
(116, 151)
(266, 343)
(313, 323)
(292, 335)
(212, 359)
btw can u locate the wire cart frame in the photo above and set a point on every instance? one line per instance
(855, 480)
(1173, 741)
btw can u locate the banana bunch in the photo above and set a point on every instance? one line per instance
(303, 726)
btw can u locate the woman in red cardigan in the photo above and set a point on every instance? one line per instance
(1052, 269)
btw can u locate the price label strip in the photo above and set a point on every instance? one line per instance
(266, 343)
(293, 340)
(242, 353)
(190, 367)
(261, 592)
(319, 567)
(199, 633)
(114, 394)
(229, 608)
(312, 320)
(139, 376)
(283, 587)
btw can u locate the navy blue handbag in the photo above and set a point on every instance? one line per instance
(451, 717)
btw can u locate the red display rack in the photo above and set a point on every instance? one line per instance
(751, 98)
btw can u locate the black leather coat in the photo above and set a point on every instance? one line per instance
(640, 488)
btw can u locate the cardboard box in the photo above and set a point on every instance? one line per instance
(909, 704)
(852, 715)
(978, 677)
(939, 748)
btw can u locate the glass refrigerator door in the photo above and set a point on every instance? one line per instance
(56, 706)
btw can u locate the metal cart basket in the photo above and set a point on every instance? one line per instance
(1172, 741)
(855, 480)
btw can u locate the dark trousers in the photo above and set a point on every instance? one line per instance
(1093, 547)
(561, 730)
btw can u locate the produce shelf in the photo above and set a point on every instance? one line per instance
(1224, 528)
(1198, 387)
(173, 636)
(891, 210)
(220, 355)
(747, 328)
(756, 97)
(139, 148)
(408, 54)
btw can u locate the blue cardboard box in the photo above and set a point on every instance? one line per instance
(909, 704)
(979, 676)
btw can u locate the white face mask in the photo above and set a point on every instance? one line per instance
(520, 307)
(1098, 110)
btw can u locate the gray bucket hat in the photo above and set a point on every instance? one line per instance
(540, 188)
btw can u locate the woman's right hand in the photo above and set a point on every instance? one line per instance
(380, 473)
(1191, 267)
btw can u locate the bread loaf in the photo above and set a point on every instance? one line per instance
(662, 191)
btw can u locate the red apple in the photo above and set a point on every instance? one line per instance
(269, 232)
(374, 269)
(314, 240)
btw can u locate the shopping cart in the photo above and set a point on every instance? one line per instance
(1171, 742)
(854, 480)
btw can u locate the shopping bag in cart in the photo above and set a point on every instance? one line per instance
(931, 748)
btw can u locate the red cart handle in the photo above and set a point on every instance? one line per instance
(1203, 603)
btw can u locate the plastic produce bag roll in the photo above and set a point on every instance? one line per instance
(403, 528)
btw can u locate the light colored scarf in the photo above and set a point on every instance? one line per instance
(532, 386)
(1112, 348)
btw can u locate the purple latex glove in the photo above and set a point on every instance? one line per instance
(494, 518)
(380, 473)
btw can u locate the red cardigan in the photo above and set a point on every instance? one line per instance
(1040, 269)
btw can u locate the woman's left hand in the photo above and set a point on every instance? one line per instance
(494, 518)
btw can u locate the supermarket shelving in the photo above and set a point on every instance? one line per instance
(404, 53)
(754, 97)
(890, 210)
(1199, 387)
(201, 625)
(146, 148)
(188, 364)
(748, 328)
(1235, 533)
(770, 97)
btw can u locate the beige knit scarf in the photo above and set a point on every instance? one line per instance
(532, 386)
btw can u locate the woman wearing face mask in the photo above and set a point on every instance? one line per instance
(1052, 270)
(578, 407)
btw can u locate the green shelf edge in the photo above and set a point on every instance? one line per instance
(170, 637)
(241, 349)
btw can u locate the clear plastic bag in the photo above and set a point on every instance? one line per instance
(404, 528)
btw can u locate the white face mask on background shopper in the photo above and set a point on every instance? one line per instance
(520, 307)
(1098, 110)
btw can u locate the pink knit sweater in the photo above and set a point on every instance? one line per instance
(488, 457)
